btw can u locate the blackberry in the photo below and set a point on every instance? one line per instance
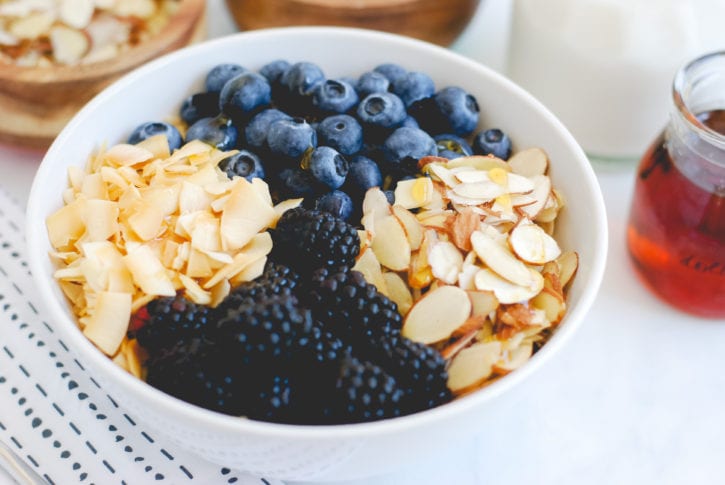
(418, 368)
(263, 329)
(194, 372)
(308, 239)
(276, 279)
(352, 308)
(366, 393)
(272, 401)
(168, 321)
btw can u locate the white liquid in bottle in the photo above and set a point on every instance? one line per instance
(605, 67)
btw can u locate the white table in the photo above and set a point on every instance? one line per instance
(636, 397)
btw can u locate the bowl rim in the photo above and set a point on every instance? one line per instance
(37, 238)
(181, 23)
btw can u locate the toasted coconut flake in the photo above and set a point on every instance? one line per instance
(126, 154)
(283, 207)
(100, 218)
(195, 292)
(108, 324)
(245, 214)
(148, 272)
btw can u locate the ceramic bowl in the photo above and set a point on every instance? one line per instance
(316, 452)
(36, 102)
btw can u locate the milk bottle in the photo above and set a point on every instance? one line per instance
(605, 67)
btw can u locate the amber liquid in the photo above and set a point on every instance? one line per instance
(676, 232)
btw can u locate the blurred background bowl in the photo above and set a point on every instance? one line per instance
(37, 102)
(437, 21)
(332, 452)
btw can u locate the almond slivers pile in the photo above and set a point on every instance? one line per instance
(468, 255)
(140, 222)
(47, 32)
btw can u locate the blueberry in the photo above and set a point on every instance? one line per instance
(413, 87)
(393, 72)
(256, 130)
(334, 96)
(405, 147)
(372, 82)
(381, 113)
(297, 183)
(220, 74)
(198, 106)
(363, 174)
(153, 128)
(452, 146)
(298, 82)
(219, 132)
(337, 203)
(410, 122)
(291, 138)
(341, 132)
(244, 95)
(243, 164)
(273, 70)
(455, 112)
(492, 142)
(327, 166)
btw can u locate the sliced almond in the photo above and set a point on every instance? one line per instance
(483, 191)
(69, 45)
(514, 359)
(504, 290)
(398, 292)
(530, 162)
(478, 162)
(32, 25)
(473, 365)
(482, 302)
(413, 228)
(568, 264)
(76, 13)
(437, 315)
(531, 244)
(414, 193)
(540, 194)
(499, 259)
(461, 226)
(390, 244)
(450, 350)
(446, 261)
(367, 263)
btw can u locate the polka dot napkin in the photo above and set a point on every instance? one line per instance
(54, 415)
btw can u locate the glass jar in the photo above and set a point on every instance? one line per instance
(676, 231)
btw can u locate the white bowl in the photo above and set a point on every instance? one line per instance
(315, 452)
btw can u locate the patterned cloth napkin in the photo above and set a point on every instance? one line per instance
(54, 415)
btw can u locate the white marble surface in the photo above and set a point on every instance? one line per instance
(636, 397)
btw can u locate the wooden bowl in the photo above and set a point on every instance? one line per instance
(437, 21)
(37, 102)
